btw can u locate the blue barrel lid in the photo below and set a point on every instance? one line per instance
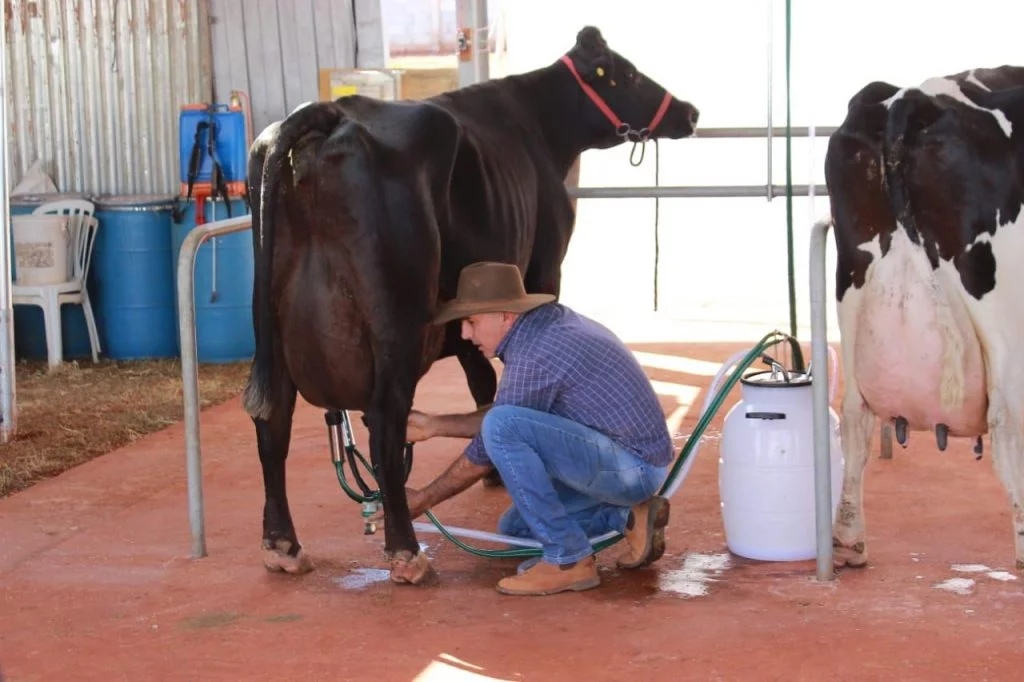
(46, 197)
(134, 202)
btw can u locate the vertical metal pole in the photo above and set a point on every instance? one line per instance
(481, 40)
(819, 392)
(8, 409)
(790, 265)
(474, 63)
(190, 388)
(771, 132)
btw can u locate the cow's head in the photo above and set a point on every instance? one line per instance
(625, 101)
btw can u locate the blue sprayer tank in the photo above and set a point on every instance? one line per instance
(227, 124)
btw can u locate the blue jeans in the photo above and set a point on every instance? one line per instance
(567, 482)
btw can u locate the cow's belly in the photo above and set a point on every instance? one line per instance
(917, 355)
(327, 347)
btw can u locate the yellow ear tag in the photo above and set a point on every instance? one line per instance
(600, 71)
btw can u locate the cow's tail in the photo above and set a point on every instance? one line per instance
(908, 116)
(320, 117)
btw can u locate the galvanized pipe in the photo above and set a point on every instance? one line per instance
(771, 59)
(745, 132)
(690, 192)
(819, 396)
(190, 368)
(8, 409)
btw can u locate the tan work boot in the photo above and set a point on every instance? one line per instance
(645, 533)
(544, 578)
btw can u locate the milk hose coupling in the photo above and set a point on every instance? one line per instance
(369, 509)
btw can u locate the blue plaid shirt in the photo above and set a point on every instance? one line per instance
(561, 362)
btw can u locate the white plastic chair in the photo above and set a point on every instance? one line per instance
(82, 228)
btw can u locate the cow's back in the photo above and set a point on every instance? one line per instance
(508, 197)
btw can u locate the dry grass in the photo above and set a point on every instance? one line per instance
(81, 411)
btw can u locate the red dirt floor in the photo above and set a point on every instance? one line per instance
(96, 582)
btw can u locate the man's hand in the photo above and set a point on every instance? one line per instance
(417, 505)
(459, 475)
(420, 427)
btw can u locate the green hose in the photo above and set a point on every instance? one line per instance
(766, 342)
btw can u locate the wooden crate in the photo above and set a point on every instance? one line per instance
(408, 83)
(423, 83)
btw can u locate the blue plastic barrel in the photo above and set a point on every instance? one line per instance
(29, 330)
(132, 277)
(223, 279)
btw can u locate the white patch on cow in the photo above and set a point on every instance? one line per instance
(944, 86)
(1001, 575)
(301, 106)
(971, 78)
(956, 585)
(874, 247)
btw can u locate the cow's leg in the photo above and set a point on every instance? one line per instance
(1007, 436)
(387, 419)
(483, 385)
(281, 548)
(848, 537)
(858, 423)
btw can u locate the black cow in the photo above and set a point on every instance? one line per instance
(368, 210)
(927, 191)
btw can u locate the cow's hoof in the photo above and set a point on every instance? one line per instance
(276, 558)
(411, 569)
(853, 556)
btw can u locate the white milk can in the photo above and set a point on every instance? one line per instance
(766, 467)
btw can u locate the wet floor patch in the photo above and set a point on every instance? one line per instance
(362, 578)
(965, 586)
(1004, 576)
(962, 586)
(695, 575)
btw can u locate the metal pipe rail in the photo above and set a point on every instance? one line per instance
(803, 131)
(767, 190)
(190, 369)
(690, 191)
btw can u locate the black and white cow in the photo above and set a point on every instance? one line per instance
(927, 191)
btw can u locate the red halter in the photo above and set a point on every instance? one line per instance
(623, 130)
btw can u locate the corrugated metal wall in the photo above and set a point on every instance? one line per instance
(94, 89)
(274, 49)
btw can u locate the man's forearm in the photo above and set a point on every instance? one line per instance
(460, 475)
(458, 425)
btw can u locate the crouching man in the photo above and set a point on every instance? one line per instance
(576, 433)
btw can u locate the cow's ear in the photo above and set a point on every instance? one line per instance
(591, 53)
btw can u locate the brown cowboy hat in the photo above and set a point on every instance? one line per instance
(490, 288)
